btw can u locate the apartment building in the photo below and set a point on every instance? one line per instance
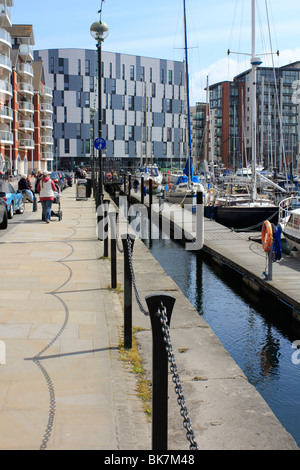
(142, 107)
(278, 123)
(25, 143)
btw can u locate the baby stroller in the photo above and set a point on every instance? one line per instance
(56, 200)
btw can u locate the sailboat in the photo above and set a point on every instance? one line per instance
(149, 171)
(230, 211)
(187, 185)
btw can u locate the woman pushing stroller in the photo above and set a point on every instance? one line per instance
(46, 188)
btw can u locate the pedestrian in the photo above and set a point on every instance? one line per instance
(23, 186)
(46, 188)
(37, 180)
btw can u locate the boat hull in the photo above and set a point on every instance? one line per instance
(245, 217)
(180, 197)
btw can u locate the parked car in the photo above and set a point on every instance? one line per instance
(57, 180)
(13, 199)
(3, 214)
(69, 179)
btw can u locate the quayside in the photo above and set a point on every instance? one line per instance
(258, 333)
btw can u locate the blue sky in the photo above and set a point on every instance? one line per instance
(155, 29)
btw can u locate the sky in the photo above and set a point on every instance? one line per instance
(155, 29)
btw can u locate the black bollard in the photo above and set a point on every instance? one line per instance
(105, 228)
(142, 190)
(34, 206)
(113, 216)
(159, 370)
(126, 239)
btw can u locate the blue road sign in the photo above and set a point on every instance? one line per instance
(100, 144)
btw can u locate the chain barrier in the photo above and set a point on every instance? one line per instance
(138, 299)
(162, 313)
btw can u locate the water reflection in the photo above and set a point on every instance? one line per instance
(257, 331)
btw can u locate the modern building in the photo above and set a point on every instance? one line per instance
(278, 122)
(142, 107)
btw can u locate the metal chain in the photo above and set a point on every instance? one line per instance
(162, 313)
(138, 299)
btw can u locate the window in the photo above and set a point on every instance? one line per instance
(132, 72)
(123, 71)
(52, 65)
(162, 76)
(142, 74)
(67, 145)
(170, 77)
(87, 67)
(79, 67)
(60, 66)
(153, 90)
(91, 84)
(131, 132)
(131, 103)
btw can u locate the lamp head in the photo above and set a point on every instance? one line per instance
(99, 30)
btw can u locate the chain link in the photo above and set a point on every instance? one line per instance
(162, 313)
(138, 299)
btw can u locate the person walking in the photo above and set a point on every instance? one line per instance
(46, 188)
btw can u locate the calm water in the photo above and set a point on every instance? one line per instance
(258, 334)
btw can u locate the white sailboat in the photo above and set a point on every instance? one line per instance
(231, 212)
(149, 171)
(187, 186)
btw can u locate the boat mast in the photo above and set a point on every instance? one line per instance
(188, 95)
(255, 62)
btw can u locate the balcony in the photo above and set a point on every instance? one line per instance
(26, 126)
(25, 70)
(47, 156)
(26, 88)
(27, 144)
(26, 107)
(5, 13)
(46, 108)
(6, 88)
(6, 138)
(46, 124)
(5, 38)
(26, 52)
(47, 140)
(5, 63)
(6, 114)
(46, 92)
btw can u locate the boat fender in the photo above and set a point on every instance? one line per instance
(267, 236)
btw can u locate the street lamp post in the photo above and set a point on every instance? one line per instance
(99, 31)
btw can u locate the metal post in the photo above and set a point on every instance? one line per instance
(270, 265)
(142, 190)
(105, 228)
(113, 216)
(99, 219)
(100, 119)
(126, 239)
(159, 370)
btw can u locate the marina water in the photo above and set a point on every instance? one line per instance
(258, 332)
